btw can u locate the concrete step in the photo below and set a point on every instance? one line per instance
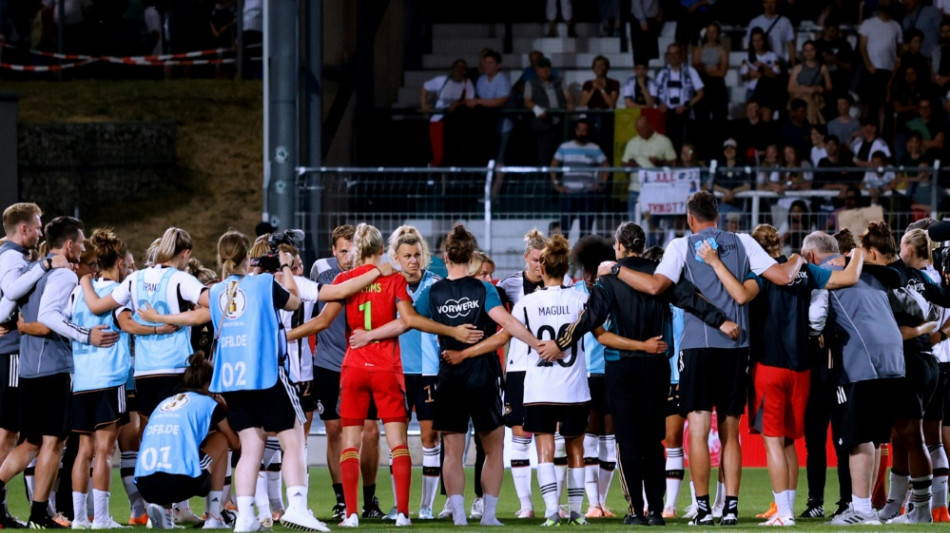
(464, 47)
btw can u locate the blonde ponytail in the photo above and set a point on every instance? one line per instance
(367, 242)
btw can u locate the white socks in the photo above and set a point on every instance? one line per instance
(457, 505)
(245, 505)
(921, 498)
(101, 505)
(214, 500)
(521, 470)
(79, 503)
(297, 497)
(608, 461)
(674, 475)
(591, 445)
(261, 500)
(560, 463)
(783, 503)
(896, 491)
(575, 489)
(430, 475)
(861, 505)
(938, 456)
(547, 479)
(489, 517)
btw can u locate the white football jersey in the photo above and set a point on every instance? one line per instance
(547, 314)
(517, 354)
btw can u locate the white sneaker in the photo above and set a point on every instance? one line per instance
(891, 510)
(525, 513)
(351, 521)
(266, 522)
(446, 511)
(246, 526)
(160, 517)
(302, 520)
(779, 521)
(391, 515)
(81, 522)
(425, 513)
(717, 510)
(691, 512)
(213, 522)
(852, 517)
(107, 523)
(185, 516)
(478, 507)
(402, 520)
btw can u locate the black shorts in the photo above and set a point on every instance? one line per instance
(456, 404)
(131, 401)
(10, 392)
(273, 410)
(326, 389)
(544, 418)
(514, 398)
(944, 388)
(166, 489)
(866, 411)
(714, 377)
(913, 393)
(420, 393)
(96, 408)
(308, 401)
(598, 394)
(673, 400)
(152, 390)
(44, 407)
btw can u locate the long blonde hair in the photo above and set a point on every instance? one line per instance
(232, 251)
(174, 241)
(367, 242)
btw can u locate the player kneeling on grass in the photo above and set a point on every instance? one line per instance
(185, 448)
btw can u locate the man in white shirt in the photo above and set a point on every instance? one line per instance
(450, 92)
(778, 29)
(880, 45)
(678, 89)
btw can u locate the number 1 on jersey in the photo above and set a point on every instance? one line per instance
(367, 309)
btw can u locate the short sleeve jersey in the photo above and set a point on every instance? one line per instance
(454, 302)
(370, 308)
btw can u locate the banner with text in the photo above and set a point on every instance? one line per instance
(663, 191)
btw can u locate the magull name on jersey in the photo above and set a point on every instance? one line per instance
(554, 310)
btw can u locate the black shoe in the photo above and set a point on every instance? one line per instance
(8, 522)
(338, 512)
(372, 510)
(43, 522)
(655, 519)
(814, 509)
(842, 507)
(228, 517)
(635, 520)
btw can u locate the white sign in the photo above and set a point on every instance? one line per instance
(665, 191)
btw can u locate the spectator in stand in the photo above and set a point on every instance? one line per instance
(810, 81)
(924, 18)
(609, 11)
(223, 30)
(837, 54)
(711, 61)
(931, 126)
(645, 30)
(640, 89)
(444, 92)
(915, 185)
(851, 200)
(878, 181)
(732, 177)
(844, 126)
(153, 24)
(867, 144)
(678, 89)
(754, 133)
(74, 29)
(529, 73)
(778, 29)
(793, 179)
(818, 150)
(689, 157)
(913, 56)
(693, 17)
(579, 191)
(906, 93)
(649, 149)
(761, 71)
(879, 45)
(541, 94)
(493, 91)
(567, 14)
(769, 167)
(601, 93)
(941, 57)
(796, 130)
(796, 227)
(835, 158)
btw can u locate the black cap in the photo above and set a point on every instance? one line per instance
(939, 232)
(264, 227)
(544, 62)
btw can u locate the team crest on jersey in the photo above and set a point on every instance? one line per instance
(237, 304)
(175, 402)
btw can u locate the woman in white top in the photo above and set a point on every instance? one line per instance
(762, 67)
(449, 91)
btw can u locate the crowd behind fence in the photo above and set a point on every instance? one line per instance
(433, 199)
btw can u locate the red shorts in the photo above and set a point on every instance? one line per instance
(780, 399)
(386, 388)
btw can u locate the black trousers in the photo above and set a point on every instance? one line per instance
(818, 413)
(636, 395)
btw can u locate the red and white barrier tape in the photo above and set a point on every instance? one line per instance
(45, 68)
